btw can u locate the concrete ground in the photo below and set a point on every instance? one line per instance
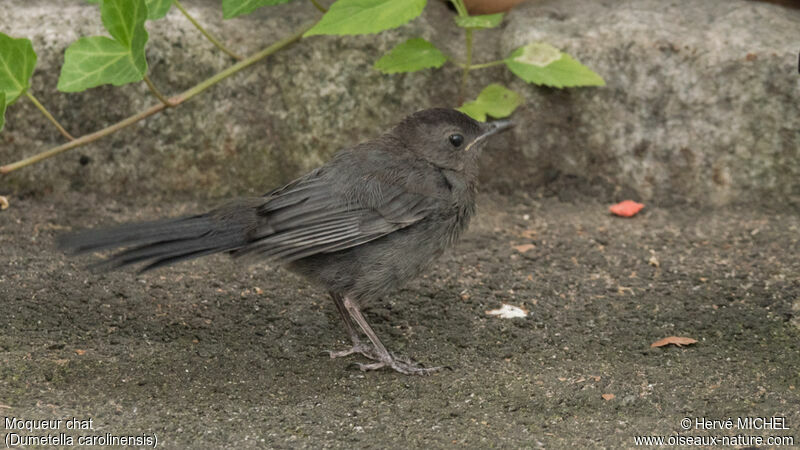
(214, 354)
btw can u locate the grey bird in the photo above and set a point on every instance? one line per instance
(368, 221)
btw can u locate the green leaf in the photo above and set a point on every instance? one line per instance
(17, 60)
(410, 56)
(2, 110)
(98, 60)
(543, 64)
(94, 61)
(484, 21)
(124, 20)
(234, 8)
(157, 9)
(494, 100)
(366, 16)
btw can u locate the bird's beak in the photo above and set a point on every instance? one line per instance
(495, 127)
(490, 128)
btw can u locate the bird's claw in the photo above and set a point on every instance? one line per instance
(365, 350)
(402, 365)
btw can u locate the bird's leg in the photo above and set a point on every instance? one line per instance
(358, 346)
(384, 358)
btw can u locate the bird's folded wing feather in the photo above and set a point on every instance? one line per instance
(308, 217)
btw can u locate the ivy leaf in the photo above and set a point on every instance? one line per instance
(410, 56)
(2, 110)
(97, 60)
(235, 8)
(366, 16)
(94, 61)
(157, 9)
(122, 17)
(543, 64)
(494, 100)
(17, 60)
(484, 21)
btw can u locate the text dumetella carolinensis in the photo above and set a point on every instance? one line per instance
(360, 226)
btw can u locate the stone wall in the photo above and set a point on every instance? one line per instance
(702, 102)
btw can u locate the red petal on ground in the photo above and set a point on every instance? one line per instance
(628, 208)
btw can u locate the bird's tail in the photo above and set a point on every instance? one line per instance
(162, 242)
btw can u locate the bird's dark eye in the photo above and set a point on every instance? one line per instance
(456, 139)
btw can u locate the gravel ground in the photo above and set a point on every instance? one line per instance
(215, 354)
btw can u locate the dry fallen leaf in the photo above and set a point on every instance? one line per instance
(608, 396)
(508, 312)
(677, 340)
(80, 352)
(524, 247)
(627, 208)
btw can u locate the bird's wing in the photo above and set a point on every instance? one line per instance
(309, 216)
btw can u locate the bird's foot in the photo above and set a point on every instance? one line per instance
(402, 365)
(365, 350)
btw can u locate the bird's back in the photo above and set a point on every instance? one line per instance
(382, 265)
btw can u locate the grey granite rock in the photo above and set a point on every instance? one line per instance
(701, 103)
(267, 124)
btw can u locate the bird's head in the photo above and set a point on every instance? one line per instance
(447, 138)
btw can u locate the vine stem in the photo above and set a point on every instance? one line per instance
(174, 101)
(49, 116)
(467, 67)
(208, 35)
(319, 6)
(156, 92)
(484, 65)
(460, 8)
